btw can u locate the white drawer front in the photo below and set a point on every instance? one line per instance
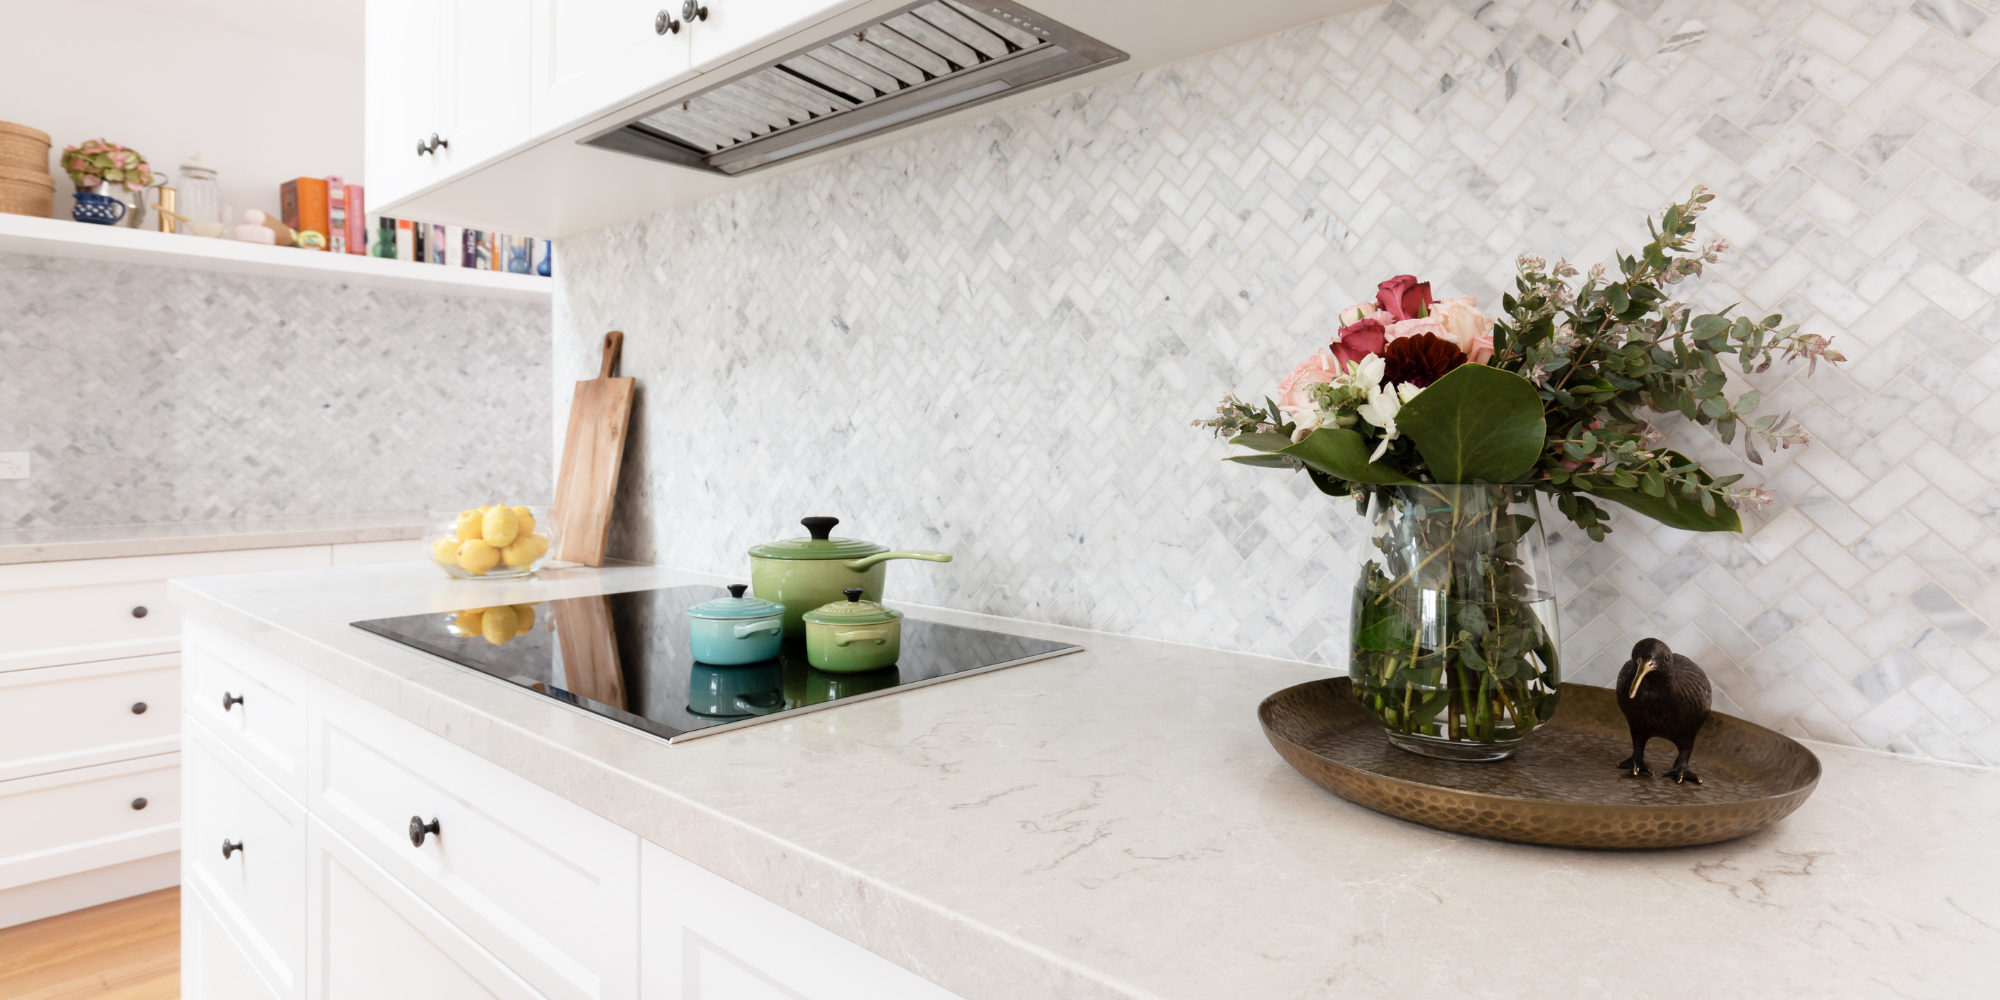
(259, 889)
(548, 887)
(73, 821)
(214, 964)
(268, 725)
(59, 718)
(373, 938)
(86, 616)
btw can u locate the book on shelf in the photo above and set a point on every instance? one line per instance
(406, 240)
(420, 242)
(483, 251)
(302, 206)
(468, 248)
(336, 215)
(357, 220)
(439, 242)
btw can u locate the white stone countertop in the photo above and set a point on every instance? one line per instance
(29, 545)
(1113, 824)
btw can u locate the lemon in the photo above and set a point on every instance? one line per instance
(445, 550)
(541, 545)
(477, 557)
(524, 520)
(524, 615)
(467, 622)
(500, 527)
(468, 526)
(521, 553)
(497, 624)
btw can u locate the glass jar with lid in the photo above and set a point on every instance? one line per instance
(200, 202)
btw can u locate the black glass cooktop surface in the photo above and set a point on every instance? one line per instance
(625, 657)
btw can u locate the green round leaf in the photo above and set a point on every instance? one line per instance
(1476, 423)
(1341, 452)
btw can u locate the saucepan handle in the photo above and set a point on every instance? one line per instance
(752, 628)
(860, 564)
(843, 638)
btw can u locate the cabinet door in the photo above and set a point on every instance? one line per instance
(592, 55)
(214, 965)
(373, 938)
(258, 889)
(62, 718)
(403, 64)
(703, 937)
(68, 822)
(485, 94)
(735, 27)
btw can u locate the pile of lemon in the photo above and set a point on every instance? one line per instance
(486, 537)
(497, 625)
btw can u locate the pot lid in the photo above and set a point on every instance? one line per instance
(853, 611)
(819, 546)
(736, 606)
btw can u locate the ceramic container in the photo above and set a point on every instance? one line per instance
(805, 573)
(97, 209)
(846, 637)
(735, 629)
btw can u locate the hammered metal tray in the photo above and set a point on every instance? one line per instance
(1563, 787)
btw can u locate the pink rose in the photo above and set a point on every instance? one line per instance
(1404, 297)
(1464, 324)
(1412, 327)
(1481, 350)
(1358, 340)
(1295, 392)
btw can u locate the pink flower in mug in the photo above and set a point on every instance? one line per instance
(1404, 297)
(1358, 340)
(1295, 392)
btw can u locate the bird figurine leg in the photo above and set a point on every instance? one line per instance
(1637, 762)
(1679, 772)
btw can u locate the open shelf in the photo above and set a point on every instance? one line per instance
(63, 238)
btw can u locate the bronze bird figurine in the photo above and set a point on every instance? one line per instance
(1664, 694)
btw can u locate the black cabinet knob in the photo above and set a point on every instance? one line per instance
(138, 708)
(230, 847)
(229, 700)
(140, 803)
(691, 11)
(419, 828)
(664, 22)
(139, 612)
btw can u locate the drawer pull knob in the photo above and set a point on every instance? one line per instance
(230, 847)
(419, 828)
(139, 612)
(139, 803)
(230, 700)
(138, 708)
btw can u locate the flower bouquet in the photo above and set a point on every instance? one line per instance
(1448, 427)
(100, 162)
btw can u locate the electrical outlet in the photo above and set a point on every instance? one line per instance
(13, 465)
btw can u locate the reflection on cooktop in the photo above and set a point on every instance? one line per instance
(625, 657)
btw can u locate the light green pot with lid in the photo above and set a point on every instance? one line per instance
(806, 573)
(853, 635)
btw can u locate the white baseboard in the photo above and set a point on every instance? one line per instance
(98, 885)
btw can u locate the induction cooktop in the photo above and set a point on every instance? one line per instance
(625, 657)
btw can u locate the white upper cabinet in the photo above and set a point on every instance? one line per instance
(725, 29)
(591, 55)
(445, 91)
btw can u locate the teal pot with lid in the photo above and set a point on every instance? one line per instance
(806, 573)
(735, 629)
(853, 635)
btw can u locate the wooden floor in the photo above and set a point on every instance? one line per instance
(125, 950)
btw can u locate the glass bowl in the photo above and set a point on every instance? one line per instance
(448, 544)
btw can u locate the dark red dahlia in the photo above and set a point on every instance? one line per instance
(1419, 360)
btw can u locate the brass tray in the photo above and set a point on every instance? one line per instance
(1563, 787)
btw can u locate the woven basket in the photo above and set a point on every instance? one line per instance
(24, 148)
(27, 192)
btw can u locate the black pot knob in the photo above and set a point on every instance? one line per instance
(230, 847)
(853, 593)
(737, 589)
(419, 829)
(819, 526)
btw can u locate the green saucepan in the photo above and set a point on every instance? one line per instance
(807, 573)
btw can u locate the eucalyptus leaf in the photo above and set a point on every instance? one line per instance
(1263, 461)
(1685, 515)
(1341, 452)
(1262, 442)
(1476, 423)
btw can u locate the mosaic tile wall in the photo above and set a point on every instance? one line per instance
(151, 394)
(990, 339)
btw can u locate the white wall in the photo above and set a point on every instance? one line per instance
(265, 90)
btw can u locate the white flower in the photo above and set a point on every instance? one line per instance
(1381, 409)
(1365, 373)
(1305, 423)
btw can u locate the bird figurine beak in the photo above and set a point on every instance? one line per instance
(1644, 669)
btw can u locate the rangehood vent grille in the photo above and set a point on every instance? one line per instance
(926, 60)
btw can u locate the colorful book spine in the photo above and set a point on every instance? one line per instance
(484, 248)
(468, 248)
(357, 220)
(336, 215)
(406, 240)
(302, 202)
(439, 242)
(420, 242)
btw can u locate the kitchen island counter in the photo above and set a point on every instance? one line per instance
(1112, 823)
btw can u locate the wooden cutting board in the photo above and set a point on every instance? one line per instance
(592, 451)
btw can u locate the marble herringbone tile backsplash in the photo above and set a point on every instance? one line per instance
(990, 339)
(149, 394)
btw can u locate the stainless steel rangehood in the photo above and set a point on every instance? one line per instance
(928, 59)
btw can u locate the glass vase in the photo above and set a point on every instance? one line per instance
(1454, 642)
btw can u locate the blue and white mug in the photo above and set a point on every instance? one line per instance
(99, 209)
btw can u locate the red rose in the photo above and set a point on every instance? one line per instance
(1404, 297)
(1358, 340)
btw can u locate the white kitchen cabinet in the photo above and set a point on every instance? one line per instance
(703, 937)
(453, 70)
(590, 55)
(214, 964)
(67, 822)
(243, 845)
(737, 27)
(252, 701)
(80, 714)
